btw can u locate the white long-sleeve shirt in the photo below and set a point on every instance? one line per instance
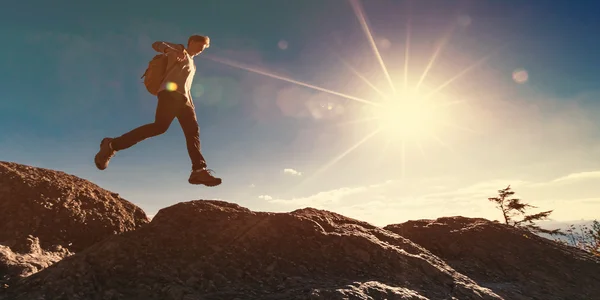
(180, 74)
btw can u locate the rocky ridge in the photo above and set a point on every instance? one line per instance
(514, 263)
(66, 238)
(224, 251)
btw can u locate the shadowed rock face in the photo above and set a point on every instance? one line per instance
(219, 250)
(513, 263)
(46, 215)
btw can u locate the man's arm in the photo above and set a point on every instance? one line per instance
(163, 47)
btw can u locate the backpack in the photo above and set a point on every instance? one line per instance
(155, 73)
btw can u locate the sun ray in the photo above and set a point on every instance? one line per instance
(467, 129)
(360, 14)
(364, 79)
(362, 120)
(341, 156)
(437, 138)
(435, 55)
(388, 141)
(407, 53)
(421, 149)
(458, 75)
(261, 72)
(403, 162)
(449, 103)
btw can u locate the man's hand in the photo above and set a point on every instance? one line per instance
(164, 47)
(181, 55)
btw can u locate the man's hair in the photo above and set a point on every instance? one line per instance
(199, 38)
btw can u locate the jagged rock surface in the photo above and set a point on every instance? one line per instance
(46, 215)
(513, 263)
(21, 263)
(218, 250)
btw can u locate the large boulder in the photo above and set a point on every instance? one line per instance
(512, 262)
(46, 215)
(218, 250)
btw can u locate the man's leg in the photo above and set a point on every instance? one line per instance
(166, 110)
(189, 124)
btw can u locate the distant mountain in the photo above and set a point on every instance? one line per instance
(563, 226)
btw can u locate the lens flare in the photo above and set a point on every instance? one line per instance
(520, 76)
(171, 86)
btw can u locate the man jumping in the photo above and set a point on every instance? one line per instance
(174, 101)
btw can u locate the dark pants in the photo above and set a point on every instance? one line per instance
(171, 105)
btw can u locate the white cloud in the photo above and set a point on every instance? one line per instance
(265, 197)
(292, 172)
(480, 189)
(252, 185)
(397, 201)
(322, 199)
(579, 176)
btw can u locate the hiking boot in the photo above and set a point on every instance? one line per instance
(204, 176)
(105, 154)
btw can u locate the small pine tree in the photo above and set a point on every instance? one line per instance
(512, 208)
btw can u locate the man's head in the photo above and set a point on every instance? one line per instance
(197, 44)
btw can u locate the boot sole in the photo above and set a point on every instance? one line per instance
(205, 183)
(96, 157)
(97, 166)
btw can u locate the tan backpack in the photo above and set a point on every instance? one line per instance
(157, 70)
(155, 73)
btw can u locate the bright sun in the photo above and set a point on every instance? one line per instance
(407, 116)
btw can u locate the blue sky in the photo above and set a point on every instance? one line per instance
(71, 77)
